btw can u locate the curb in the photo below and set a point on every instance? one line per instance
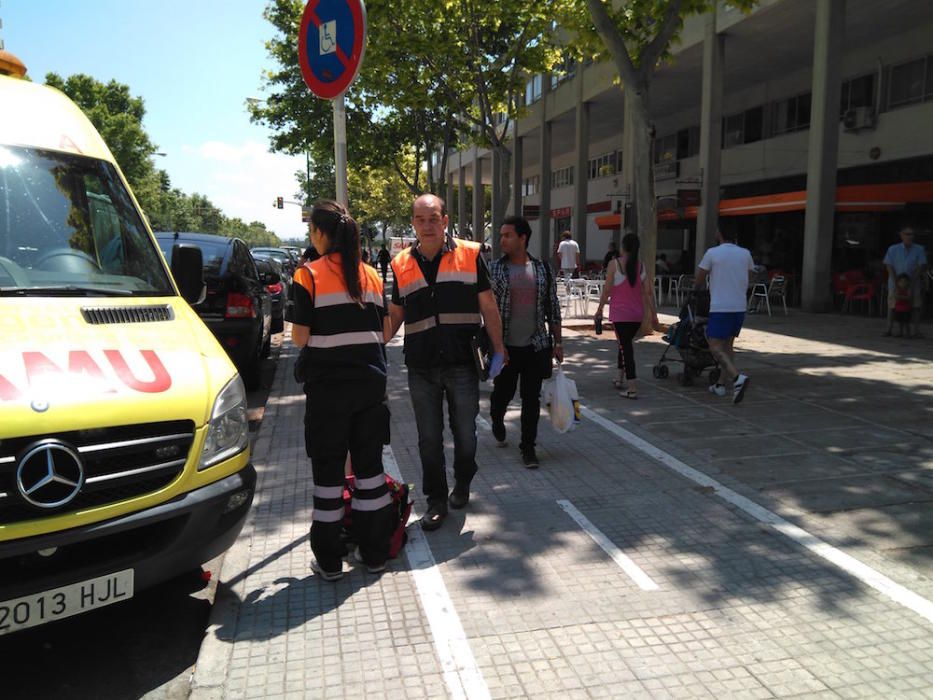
(213, 663)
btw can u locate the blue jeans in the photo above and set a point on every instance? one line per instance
(427, 387)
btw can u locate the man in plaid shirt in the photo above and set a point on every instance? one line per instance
(527, 297)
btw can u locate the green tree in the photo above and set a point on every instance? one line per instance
(636, 35)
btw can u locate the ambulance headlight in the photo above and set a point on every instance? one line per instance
(228, 431)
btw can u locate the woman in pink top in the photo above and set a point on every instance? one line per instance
(629, 294)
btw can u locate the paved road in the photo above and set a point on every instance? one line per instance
(146, 647)
(674, 546)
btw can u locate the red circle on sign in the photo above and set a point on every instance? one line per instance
(324, 89)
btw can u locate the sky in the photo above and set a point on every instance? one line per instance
(194, 63)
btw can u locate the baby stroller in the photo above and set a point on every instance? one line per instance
(688, 335)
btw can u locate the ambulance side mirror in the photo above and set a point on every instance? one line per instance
(188, 271)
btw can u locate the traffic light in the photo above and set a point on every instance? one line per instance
(279, 203)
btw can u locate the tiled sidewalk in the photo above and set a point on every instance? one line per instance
(740, 611)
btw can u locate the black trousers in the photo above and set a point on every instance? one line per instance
(626, 332)
(528, 366)
(354, 418)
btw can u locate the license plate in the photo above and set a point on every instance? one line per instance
(58, 603)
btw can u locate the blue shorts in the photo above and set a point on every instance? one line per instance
(723, 325)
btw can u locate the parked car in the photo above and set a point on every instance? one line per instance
(237, 307)
(277, 254)
(271, 273)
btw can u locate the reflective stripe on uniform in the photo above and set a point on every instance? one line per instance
(335, 298)
(459, 319)
(371, 482)
(328, 516)
(328, 491)
(369, 504)
(419, 326)
(408, 287)
(338, 339)
(468, 277)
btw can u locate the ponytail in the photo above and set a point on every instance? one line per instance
(332, 219)
(630, 246)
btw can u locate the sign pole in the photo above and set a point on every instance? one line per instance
(340, 148)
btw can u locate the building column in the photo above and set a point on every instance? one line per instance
(496, 204)
(517, 176)
(461, 199)
(581, 176)
(710, 136)
(823, 154)
(544, 179)
(478, 197)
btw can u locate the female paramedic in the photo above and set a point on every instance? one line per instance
(338, 322)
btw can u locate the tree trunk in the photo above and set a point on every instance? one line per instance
(502, 186)
(645, 201)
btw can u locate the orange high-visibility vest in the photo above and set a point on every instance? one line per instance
(451, 305)
(344, 333)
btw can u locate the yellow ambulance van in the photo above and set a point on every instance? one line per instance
(124, 451)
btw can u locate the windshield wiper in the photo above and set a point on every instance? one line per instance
(70, 290)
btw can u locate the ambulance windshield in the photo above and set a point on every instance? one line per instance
(69, 227)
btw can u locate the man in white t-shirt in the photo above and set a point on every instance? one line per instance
(729, 269)
(568, 255)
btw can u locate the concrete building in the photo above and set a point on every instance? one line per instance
(807, 125)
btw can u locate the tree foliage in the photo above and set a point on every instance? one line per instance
(435, 76)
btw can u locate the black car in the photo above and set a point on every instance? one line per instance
(270, 269)
(237, 307)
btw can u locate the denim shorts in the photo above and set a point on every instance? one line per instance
(723, 325)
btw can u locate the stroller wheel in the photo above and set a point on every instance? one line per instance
(656, 371)
(714, 375)
(664, 371)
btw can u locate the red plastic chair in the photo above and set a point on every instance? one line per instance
(860, 291)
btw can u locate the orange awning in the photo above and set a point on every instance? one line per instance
(885, 197)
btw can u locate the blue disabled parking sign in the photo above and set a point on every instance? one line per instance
(331, 43)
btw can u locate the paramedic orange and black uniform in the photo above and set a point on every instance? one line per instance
(345, 382)
(440, 298)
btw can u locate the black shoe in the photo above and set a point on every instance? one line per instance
(498, 432)
(459, 497)
(530, 459)
(433, 519)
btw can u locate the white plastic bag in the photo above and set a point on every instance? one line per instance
(559, 393)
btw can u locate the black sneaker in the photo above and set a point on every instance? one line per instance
(739, 388)
(498, 432)
(459, 496)
(530, 459)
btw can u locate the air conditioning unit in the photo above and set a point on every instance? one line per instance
(859, 118)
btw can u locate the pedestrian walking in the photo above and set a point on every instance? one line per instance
(568, 255)
(339, 323)
(526, 295)
(729, 268)
(628, 291)
(441, 291)
(383, 259)
(611, 254)
(906, 258)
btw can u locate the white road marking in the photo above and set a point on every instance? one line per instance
(863, 572)
(461, 674)
(625, 563)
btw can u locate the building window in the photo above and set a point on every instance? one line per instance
(908, 83)
(744, 127)
(562, 177)
(665, 148)
(790, 115)
(857, 92)
(531, 185)
(603, 166)
(533, 90)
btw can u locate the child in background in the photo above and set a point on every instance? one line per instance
(903, 300)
